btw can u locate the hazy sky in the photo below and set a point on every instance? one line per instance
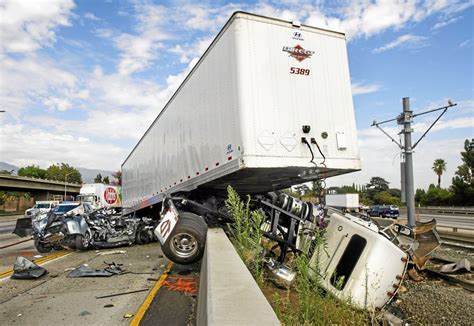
(82, 80)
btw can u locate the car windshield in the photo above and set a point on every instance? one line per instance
(42, 206)
(65, 208)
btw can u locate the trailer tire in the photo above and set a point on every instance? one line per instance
(186, 243)
(42, 247)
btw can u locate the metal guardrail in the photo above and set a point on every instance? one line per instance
(446, 210)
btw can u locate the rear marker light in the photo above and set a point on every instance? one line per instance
(217, 164)
(229, 158)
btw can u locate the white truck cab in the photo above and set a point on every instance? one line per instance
(100, 195)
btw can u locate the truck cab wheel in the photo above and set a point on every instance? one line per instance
(42, 247)
(186, 243)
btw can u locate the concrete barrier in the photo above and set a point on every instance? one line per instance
(228, 294)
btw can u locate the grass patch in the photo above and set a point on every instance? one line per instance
(306, 303)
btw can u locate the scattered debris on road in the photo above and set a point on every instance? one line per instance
(26, 269)
(462, 265)
(121, 293)
(110, 252)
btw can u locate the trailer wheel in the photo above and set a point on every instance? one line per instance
(42, 247)
(186, 243)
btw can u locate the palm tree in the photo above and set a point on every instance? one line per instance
(439, 166)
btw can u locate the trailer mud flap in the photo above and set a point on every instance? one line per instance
(23, 227)
(169, 220)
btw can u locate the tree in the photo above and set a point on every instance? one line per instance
(98, 178)
(32, 171)
(62, 172)
(376, 185)
(463, 180)
(118, 178)
(439, 166)
(318, 188)
(385, 198)
(419, 195)
(106, 180)
(394, 192)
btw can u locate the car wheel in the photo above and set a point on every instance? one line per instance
(185, 245)
(143, 236)
(83, 242)
(42, 247)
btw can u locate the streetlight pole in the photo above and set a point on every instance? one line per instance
(65, 178)
(405, 119)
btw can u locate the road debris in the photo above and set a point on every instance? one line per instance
(129, 315)
(85, 271)
(462, 265)
(110, 252)
(121, 293)
(26, 269)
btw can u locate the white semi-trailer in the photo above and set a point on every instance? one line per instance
(267, 106)
(264, 95)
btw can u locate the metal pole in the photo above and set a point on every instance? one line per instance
(65, 177)
(409, 187)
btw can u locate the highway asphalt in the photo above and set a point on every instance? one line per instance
(167, 293)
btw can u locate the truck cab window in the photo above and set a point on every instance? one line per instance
(348, 261)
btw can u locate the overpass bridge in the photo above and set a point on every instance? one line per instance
(40, 189)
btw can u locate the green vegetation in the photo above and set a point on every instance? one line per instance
(57, 172)
(245, 233)
(306, 303)
(32, 171)
(62, 172)
(98, 178)
(439, 166)
(7, 195)
(461, 192)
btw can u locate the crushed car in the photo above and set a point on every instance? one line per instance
(79, 226)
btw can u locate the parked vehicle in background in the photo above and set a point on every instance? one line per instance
(43, 206)
(384, 211)
(344, 202)
(100, 195)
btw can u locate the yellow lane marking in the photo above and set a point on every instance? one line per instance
(146, 304)
(38, 261)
